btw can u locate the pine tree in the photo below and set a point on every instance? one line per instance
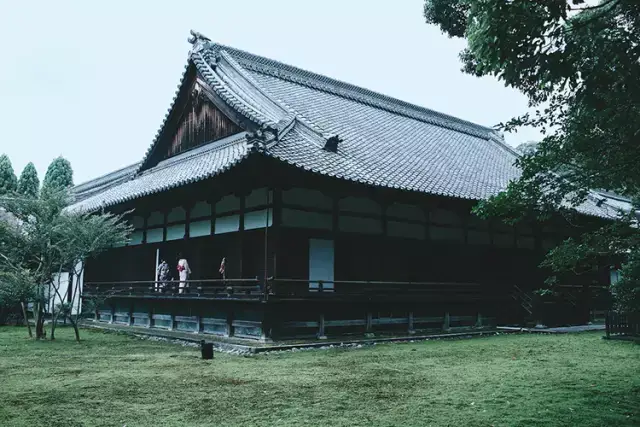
(8, 180)
(29, 184)
(59, 176)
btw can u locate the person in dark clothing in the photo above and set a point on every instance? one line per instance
(163, 275)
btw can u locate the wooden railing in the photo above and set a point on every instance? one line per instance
(618, 324)
(299, 288)
(210, 288)
(293, 289)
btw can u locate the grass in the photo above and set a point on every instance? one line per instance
(507, 380)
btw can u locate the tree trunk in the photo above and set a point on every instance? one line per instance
(26, 318)
(39, 320)
(76, 331)
(54, 320)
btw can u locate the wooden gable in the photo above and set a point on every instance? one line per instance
(199, 122)
(193, 121)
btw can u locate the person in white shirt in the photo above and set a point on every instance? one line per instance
(183, 272)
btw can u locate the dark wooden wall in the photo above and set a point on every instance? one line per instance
(200, 122)
(357, 256)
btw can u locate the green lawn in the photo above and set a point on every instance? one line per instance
(507, 380)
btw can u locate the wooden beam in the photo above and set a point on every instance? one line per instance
(150, 312)
(172, 322)
(144, 229)
(321, 333)
(229, 326)
(411, 330)
(479, 321)
(241, 232)
(165, 214)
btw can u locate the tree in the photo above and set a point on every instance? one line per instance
(8, 180)
(29, 184)
(59, 176)
(48, 240)
(577, 62)
(527, 148)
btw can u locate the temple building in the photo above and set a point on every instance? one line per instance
(336, 210)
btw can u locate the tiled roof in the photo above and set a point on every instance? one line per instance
(101, 184)
(192, 166)
(385, 141)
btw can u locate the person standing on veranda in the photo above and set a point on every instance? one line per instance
(183, 272)
(162, 276)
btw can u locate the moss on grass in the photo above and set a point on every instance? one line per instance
(507, 380)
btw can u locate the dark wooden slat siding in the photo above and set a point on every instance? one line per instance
(201, 122)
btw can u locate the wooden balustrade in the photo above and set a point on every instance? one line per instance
(208, 288)
(293, 288)
(290, 289)
(622, 324)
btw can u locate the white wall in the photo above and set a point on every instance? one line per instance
(61, 281)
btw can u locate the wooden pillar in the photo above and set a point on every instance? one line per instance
(187, 219)
(150, 322)
(446, 326)
(335, 214)
(131, 315)
(321, 333)
(144, 227)
(267, 236)
(165, 215)
(369, 326)
(410, 321)
(276, 226)
(172, 322)
(229, 331)
(266, 325)
(212, 201)
(241, 233)
(479, 322)
(113, 312)
(199, 325)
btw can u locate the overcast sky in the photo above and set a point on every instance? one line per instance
(91, 81)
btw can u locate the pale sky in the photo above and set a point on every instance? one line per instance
(91, 81)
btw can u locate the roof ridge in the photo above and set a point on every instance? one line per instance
(92, 181)
(222, 89)
(279, 104)
(317, 81)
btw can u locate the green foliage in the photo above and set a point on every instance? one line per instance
(16, 286)
(627, 290)
(527, 147)
(47, 239)
(8, 180)
(577, 62)
(59, 176)
(29, 184)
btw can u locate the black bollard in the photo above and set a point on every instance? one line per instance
(206, 349)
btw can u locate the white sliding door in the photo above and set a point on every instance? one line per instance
(320, 264)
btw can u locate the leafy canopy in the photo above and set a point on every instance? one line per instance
(59, 176)
(578, 64)
(29, 184)
(8, 180)
(45, 239)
